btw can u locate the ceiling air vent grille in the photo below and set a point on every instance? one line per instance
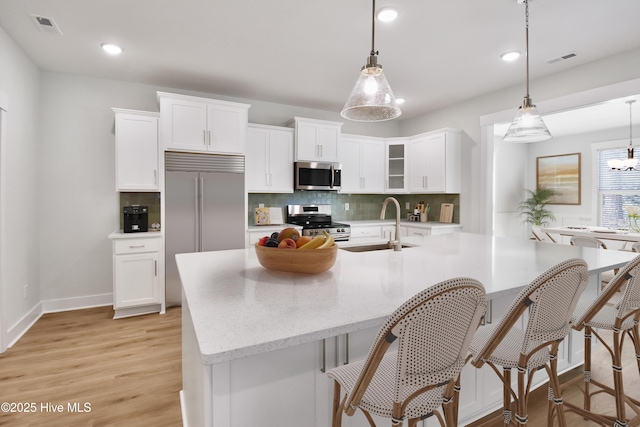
(561, 58)
(46, 25)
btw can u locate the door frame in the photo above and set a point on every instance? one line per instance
(4, 107)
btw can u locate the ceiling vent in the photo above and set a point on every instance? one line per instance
(46, 25)
(561, 58)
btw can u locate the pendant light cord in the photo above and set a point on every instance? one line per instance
(373, 28)
(526, 31)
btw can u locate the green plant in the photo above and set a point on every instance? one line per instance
(533, 208)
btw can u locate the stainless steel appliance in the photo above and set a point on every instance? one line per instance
(316, 218)
(135, 219)
(204, 209)
(317, 176)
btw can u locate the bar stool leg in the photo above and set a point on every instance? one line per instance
(506, 396)
(554, 383)
(618, 384)
(636, 343)
(587, 368)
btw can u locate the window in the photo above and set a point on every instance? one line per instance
(616, 189)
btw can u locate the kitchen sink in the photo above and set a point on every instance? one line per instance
(369, 248)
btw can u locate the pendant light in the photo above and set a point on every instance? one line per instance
(527, 126)
(371, 99)
(628, 164)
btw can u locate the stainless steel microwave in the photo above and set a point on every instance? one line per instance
(317, 176)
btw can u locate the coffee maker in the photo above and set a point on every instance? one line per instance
(136, 219)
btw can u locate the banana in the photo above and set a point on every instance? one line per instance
(314, 243)
(330, 241)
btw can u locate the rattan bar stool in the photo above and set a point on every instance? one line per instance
(621, 318)
(433, 331)
(550, 300)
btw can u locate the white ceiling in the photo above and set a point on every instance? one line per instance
(308, 54)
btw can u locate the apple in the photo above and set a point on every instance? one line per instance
(287, 243)
(302, 240)
(288, 233)
(263, 240)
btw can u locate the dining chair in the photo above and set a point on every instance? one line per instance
(433, 331)
(541, 236)
(549, 300)
(635, 247)
(622, 319)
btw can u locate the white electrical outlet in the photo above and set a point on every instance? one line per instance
(261, 205)
(407, 206)
(26, 291)
(346, 206)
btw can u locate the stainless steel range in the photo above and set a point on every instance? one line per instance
(316, 218)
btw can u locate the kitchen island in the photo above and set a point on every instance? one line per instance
(256, 342)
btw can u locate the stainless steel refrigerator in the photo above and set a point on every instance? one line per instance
(204, 209)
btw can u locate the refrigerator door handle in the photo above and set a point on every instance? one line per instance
(200, 211)
(197, 211)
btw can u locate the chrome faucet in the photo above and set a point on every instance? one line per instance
(395, 244)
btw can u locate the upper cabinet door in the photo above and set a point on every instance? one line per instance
(372, 166)
(202, 124)
(434, 165)
(136, 150)
(269, 160)
(184, 124)
(317, 140)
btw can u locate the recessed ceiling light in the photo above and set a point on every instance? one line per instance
(510, 56)
(399, 101)
(111, 48)
(387, 14)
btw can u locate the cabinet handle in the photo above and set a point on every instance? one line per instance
(321, 150)
(209, 135)
(155, 176)
(317, 151)
(324, 356)
(155, 267)
(204, 137)
(426, 181)
(135, 246)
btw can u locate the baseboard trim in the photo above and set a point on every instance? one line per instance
(183, 410)
(77, 303)
(23, 325)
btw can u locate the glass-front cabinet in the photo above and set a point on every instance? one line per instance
(396, 166)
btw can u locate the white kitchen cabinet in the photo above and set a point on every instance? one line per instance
(396, 165)
(269, 160)
(362, 160)
(428, 229)
(136, 275)
(434, 162)
(202, 125)
(316, 140)
(136, 150)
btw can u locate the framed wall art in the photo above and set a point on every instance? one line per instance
(560, 173)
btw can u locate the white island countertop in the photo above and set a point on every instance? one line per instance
(238, 308)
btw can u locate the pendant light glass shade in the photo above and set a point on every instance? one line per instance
(371, 99)
(527, 126)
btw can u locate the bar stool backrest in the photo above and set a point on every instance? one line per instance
(587, 242)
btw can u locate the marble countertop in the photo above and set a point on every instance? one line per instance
(239, 308)
(428, 224)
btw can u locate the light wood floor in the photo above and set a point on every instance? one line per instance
(128, 370)
(602, 403)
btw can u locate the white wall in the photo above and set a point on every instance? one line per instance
(466, 115)
(20, 82)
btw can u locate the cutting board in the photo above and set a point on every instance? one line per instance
(446, 212)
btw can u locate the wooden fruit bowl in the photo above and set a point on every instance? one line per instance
(297, 260)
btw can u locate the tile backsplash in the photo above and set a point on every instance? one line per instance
(361, 206)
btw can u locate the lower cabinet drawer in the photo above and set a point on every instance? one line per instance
(134, 246)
